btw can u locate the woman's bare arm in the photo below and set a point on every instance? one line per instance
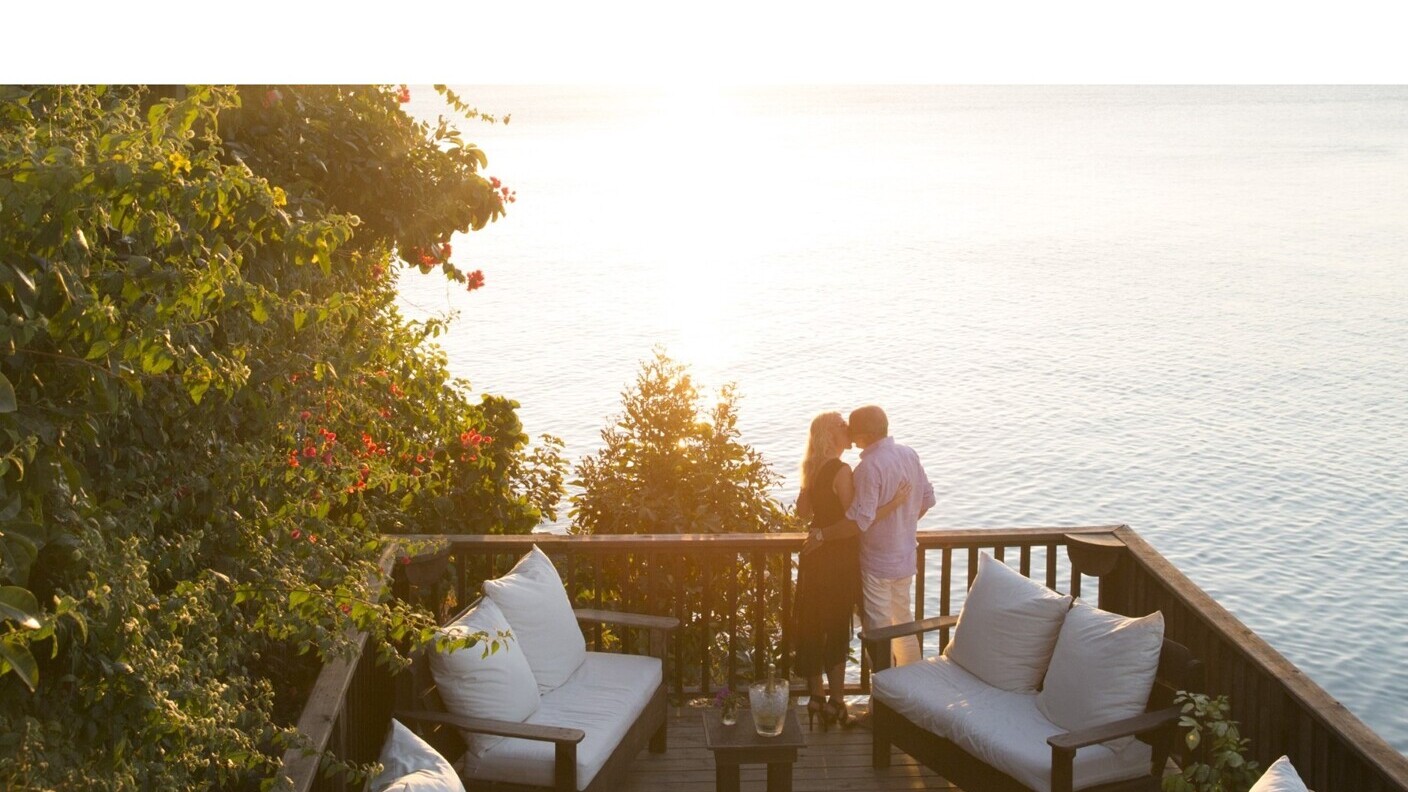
(901, 495)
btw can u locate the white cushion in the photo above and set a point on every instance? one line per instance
(473, 685)
(603, 698)
(409, 764)
(1280, 777)
(999, 727)
(1007, 628)
(1102, 670)
(535, 602)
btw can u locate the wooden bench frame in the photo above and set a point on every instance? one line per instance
(418, 705)
(1156, 726)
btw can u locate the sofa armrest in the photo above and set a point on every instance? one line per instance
(666, 623)
(498, 728)
(877, 641)
(1126, 727)
(564, 755)
(658, 626)
(1063, 746)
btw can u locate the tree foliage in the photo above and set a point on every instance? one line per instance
(672, 465)
(211, 411)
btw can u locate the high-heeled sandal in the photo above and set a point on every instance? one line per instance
(837, 712)
(817, 708)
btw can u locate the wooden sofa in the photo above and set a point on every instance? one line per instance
(1156, 727)
(418, 705)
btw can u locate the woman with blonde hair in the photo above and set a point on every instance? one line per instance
(828, 578)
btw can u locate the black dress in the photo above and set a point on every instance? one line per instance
(828, 584)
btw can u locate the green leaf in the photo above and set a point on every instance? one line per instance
(15, 656)
(296, 598)
(19, 605)
(8, 403)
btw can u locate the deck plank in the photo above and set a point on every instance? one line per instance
(838, 759)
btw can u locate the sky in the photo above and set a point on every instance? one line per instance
(723, 42)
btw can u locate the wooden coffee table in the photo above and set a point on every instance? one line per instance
(741, 744)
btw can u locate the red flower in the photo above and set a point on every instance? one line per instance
(312, 538)
(405, 560)
(494, 182)
(445, 250)
(396, 391)
(310, 452)
(305, 415)
(345, 608)
(293, 459)
(476, 280)
(404, 95)
(294, 534)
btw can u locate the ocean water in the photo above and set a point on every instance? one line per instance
(1185, 309)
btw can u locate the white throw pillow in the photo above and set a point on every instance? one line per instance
(535, 603)
(1007, 628)
(473, 685)
(1102, 670)
(409, 764)
(1280, 777)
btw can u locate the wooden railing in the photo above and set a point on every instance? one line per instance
(1279, 708)
(733, 595)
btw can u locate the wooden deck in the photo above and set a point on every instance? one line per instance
(838, 759)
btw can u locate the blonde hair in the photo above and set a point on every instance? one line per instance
(821, 444)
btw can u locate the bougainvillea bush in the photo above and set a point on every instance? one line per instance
(211, 412)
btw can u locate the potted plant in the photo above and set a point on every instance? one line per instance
(1216, 759)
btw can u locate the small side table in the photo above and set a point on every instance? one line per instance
(741, 744)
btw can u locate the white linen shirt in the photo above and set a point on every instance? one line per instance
(887, 547)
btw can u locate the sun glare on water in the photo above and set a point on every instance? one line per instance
(698, 156)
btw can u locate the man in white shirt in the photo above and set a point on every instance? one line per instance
(887, 545)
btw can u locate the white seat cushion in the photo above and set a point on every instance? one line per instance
(1280, 777)
(998, 727)
(1102, 670)
(409, 764)
(603, 698)
(535, 603)
(499, 686)
(1007, 628)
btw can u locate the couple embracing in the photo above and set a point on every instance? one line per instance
(860, 549)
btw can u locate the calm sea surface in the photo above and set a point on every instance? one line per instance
(1185, 309)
